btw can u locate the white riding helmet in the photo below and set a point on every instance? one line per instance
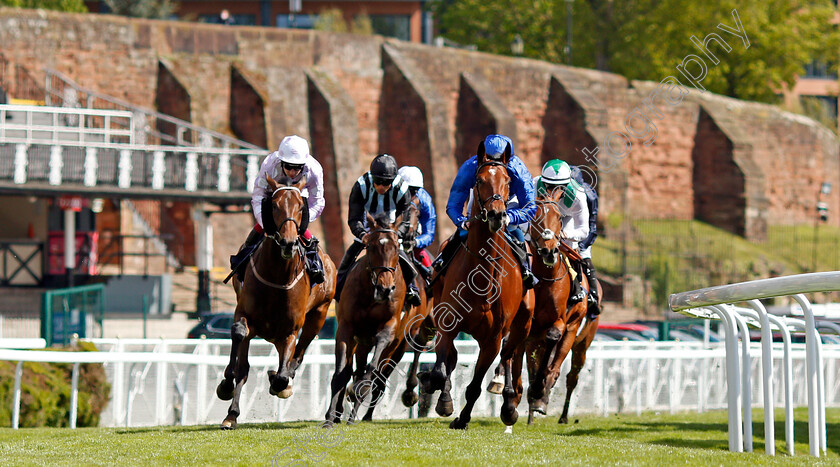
(556, 172)
(412, 175)
(293, 150)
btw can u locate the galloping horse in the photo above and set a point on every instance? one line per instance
(555, 329)
(368, 315)
(275, 300)
(483, 296)
(408, 336)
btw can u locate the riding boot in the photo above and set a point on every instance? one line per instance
(589, 270)
(576, 295)
(448, 251)
(346, 263)
(528, 278)
(238, 259)
(314, 266)
(412, 293)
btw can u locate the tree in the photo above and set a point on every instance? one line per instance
(153, 9)
(70, 6)
(647, 39)
(332, 20)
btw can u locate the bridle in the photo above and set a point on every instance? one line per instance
(276, 235)
(548, 234)
(376, 271)
(482, 215)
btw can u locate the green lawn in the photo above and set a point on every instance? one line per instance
(650, 439)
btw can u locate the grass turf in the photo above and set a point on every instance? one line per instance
(649, 439)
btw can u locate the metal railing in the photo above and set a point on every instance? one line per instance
(717, 302)
(29, 124)
(64, 92)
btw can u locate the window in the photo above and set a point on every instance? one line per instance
(296, 21)
(820, 69)
(398, 26)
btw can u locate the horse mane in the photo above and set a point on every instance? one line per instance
(382, 221)
(284, 180)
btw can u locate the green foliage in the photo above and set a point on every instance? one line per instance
(331, 20)
(153, 9)
(362, 25)
(647, 39)
(45, 393)
(70, 6)
(621, 439)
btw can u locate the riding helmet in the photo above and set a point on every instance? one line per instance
(495, 145)
(293, 150)
(384, 166)
(412, 175)
(556, 172)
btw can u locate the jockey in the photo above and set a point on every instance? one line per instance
(292, 159)
(426, 229)
(556, 175)
(586, 245)
(380, 190)
(521, 186)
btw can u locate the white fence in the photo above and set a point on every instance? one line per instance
(166, 382)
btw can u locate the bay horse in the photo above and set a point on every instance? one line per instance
(556, 329)
(409, 335)
(275, 301)
(482, 295)
(368, 316)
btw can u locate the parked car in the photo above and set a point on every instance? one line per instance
(628, 331)
(217, 326)
(212, 326)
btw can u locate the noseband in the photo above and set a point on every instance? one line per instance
(276, 235)
(376, 271)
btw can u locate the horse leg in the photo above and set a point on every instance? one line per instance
(373, 376)
(578, 359)
(241, 376)
(435, 380)
(360, 388)
(238, 332)
(497, 384)
(345, 346)
(513, 349)
(537, 389)
(281, 379)
(312, 324)
(486, 355)
(409, 397)
(444, 406)
(533, 357)
(380, 377)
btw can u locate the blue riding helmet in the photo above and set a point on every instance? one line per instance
(494, 145)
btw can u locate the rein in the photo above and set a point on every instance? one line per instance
(276, 234)
(276, 286)
(548, 234)
(482, 215)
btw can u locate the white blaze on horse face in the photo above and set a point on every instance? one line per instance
(547, 234)
(383, 241)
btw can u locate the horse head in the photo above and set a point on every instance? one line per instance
(491, 187)
(282, 221)
(545, 229)
(383, 256)
(410, 238)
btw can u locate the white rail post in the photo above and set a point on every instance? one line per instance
(746, 386)
(733, 381)
(74, 395)
(119, 387)
(787, 369)
(201, 383)
(812, 366)
(160, 390)
(16, 403)
(767, 374)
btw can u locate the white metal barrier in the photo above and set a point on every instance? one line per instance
(717, 301)
(160, 382)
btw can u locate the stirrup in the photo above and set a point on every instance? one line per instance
(412, 297)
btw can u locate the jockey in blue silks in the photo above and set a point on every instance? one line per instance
(519, 212)
(427, 219)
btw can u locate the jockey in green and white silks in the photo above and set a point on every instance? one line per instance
(556, 175)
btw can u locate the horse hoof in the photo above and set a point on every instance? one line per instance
(286, 393)
(535, 393)
(497, 384)
(509, 430)
(228, 425)
(538, 406)
(444, 406)
(458, 425)
(224, 390)
(409, 398)
(509, 417)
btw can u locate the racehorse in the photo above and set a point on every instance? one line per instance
(409, 335)
(482, 295)
(368, 316)
(275, 300)
(556, 328)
